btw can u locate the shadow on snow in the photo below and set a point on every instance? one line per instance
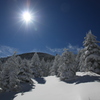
(25, 87)
(87, 78)
(84, 79)
(40, 80)
(7, 95)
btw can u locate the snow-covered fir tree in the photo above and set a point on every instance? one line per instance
(78, 59)
(25, 74)
(43, 66)
(48, 66)
(90, 58)
(36, 66)
(9, 75)
(18, 60)
(55, 66)
(67, 68)
(1, 65)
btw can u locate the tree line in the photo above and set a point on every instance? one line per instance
(16, 70)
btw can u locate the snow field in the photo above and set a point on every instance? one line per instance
(54, 89)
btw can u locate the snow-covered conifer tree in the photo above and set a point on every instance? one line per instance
(1, 65)
(90, 58)
(25, 73)
(35, 65)
(67, 68)
(48, 66)
(18, 60)
(9, 80)
(78, 59)
(43, 66)
(55, 66)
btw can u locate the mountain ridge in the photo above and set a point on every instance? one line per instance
(28, 56)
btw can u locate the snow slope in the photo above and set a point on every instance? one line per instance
(54, 89)
(85, 87)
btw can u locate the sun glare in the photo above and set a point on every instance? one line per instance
(27, 17)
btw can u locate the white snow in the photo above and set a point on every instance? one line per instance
(54, 89)
(86, 87)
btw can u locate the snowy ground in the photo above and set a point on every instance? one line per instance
(85, 87)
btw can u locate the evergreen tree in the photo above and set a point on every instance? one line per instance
(35, 66)
(43, 67)
(1, 65)
(67, 68)
(48, 67)
(55, 66)
(90, 58)
(78, 60)
(9, 80)
(25, 73)
(18, 60)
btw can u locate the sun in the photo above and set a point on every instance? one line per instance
(27, 16)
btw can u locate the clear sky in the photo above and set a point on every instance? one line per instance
(57, 24)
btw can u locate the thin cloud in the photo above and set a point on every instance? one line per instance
(54, 50)
(70, 47)
(73, 48)
(6, 51)
(36, 50)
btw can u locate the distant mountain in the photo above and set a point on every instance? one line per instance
(30, 55)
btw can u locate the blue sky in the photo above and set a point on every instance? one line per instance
(57, 24)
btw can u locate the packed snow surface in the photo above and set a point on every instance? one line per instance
(86, 86)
